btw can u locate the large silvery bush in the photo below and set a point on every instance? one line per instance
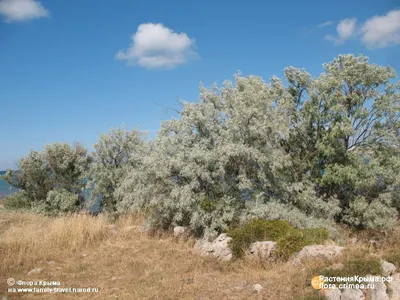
(51, 180)
(344, 137)
(319, 149)
(219, 161)
(116, 153)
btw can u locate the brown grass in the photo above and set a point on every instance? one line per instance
(124, 263)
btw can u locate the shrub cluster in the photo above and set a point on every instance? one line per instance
(315, 151)
(289, 239)
(50, 181)
(356, 266)
(296, 239)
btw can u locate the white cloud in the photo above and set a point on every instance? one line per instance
(327, 23)
(22, 10)
(156, 46)
(345, 30)
(382, 31)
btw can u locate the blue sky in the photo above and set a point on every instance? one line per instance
(70, 70)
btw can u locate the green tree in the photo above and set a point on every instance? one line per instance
(116, 153)
(221, 159)
(59, 167)
(344, 133)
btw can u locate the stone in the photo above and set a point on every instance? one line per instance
(318, 251)
(257, 287)
(35, 271)
(379, 291)
(331, 294)
(387, 268)
(262, 250)
(349, 294)
(179, 231)
(394, 287)
(218, 248)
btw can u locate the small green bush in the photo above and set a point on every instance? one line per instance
(290, 244)
(315, 235)
(17, 201)
(356, 266)
(289, 240)
(257, 230)
(296, 239)
(364, 266)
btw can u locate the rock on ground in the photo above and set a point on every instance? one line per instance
(35, 271)
(257, 287)
(262, 250)
(331, 294)
(318, 251)
(218, 248)
(350, 294)
(179, 231)
(387, 268)
(394, 287)
(378, 292)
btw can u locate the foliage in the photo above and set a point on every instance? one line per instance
(357, 266)
(313, 152)
(344, 136)
(221, 154)
(378, 214)
(116, 153)
(275, 210)
(57, 201)
(296, 239)
(60, 168)
(16, 201)
(289, 239)
(256, 230)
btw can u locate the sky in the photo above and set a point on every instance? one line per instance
(71, 70)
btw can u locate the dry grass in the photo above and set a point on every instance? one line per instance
(125, 263)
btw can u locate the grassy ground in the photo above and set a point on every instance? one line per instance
(124, 263)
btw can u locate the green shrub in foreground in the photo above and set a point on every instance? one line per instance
(257, 230)
(16, 201)
(289, 240)
(356, 266)
(296, 239)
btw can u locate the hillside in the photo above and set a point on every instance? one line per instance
(126, 263)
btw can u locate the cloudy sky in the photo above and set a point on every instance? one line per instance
(70, 70)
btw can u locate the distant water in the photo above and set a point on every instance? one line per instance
(5, 188)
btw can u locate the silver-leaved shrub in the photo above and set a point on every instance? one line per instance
(116, 153)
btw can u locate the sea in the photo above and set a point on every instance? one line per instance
(5, 188)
